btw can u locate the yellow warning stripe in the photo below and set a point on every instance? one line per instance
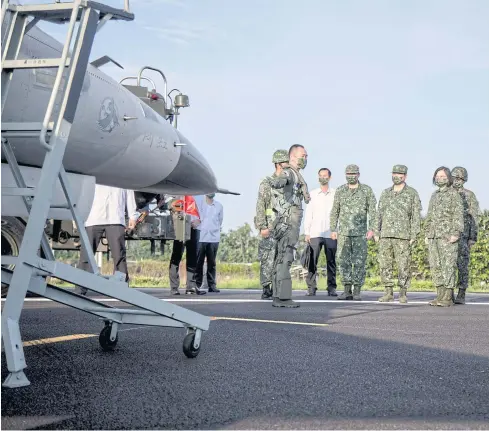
(242, 319)
(57, 339)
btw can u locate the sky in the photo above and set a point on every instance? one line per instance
(375, 83)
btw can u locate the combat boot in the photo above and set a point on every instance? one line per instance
(285, 303)
(356, 293)
(446, 299)
(460, 297)
(346, 295)
(267, 293)
(403, 296)
(439, 291)
(388, 295)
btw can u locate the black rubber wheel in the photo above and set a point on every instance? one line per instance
(105, 341)
(13, 229)
(12, 233)
(188, 346)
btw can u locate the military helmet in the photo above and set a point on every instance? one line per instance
(352, 169)
(459, 172)
(280, 156)
(399, 169)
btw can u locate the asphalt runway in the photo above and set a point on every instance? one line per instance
(326, 365)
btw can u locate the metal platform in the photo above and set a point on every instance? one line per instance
(32, 268)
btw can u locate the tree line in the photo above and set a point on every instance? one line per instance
(241, 246)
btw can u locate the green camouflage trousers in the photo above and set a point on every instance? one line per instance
(395, 251)
(351, 258)
(443, 262)
(463, 261)
(266, 256)
(286, 246)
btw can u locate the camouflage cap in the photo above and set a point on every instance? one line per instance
(399, 169)
(460, 172)
(352, 169)
(280, 156)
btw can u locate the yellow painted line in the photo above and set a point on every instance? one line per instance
(242, 319)
(57, 339)
(82, 336)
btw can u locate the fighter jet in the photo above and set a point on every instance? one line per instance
(116, 136)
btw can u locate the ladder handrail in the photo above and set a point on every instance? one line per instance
(59, 75)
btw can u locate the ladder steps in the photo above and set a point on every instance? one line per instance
(34, 63)
(24, 127)
(18, 191)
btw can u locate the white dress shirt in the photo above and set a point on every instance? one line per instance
(109, 204)
(318, 210)
(211, 216)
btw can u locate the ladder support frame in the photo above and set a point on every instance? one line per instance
(31, 270)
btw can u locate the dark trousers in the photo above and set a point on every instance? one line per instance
(207, 250)
(115, 234)
(330, 250)
(191, 246)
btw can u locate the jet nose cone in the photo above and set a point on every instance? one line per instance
(192, 174)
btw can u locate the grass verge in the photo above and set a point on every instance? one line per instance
(151, 273)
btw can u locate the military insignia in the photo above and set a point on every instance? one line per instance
(107, 117)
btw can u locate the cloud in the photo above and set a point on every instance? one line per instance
(183, 33)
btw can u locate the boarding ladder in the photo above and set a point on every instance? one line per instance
(32, 269)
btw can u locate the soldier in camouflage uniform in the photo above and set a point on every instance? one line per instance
(264, 223)
(291, 189)
(352, 203)
(398, 225)
(469, 234)
(443, 229)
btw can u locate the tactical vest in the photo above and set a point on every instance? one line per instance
(292, 191)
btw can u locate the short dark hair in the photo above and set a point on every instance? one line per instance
(293, 147)
(447, 172)
(324, 169)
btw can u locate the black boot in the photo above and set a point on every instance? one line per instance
(267, 293)
(332, 292)
(194, 290)
(460, 297)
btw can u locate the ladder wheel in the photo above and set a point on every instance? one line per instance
(188, 346)
(105, 341)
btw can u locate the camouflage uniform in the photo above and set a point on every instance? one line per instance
(398, 223)
(289, 189)
(445, 218)
(264, 220)
(350, 209)
(470, 232)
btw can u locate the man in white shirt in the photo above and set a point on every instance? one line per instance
(210, 234)
(108, 216)
(318, 234)
(191, 246)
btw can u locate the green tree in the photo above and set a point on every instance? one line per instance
(239, 246)
(479, 254)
